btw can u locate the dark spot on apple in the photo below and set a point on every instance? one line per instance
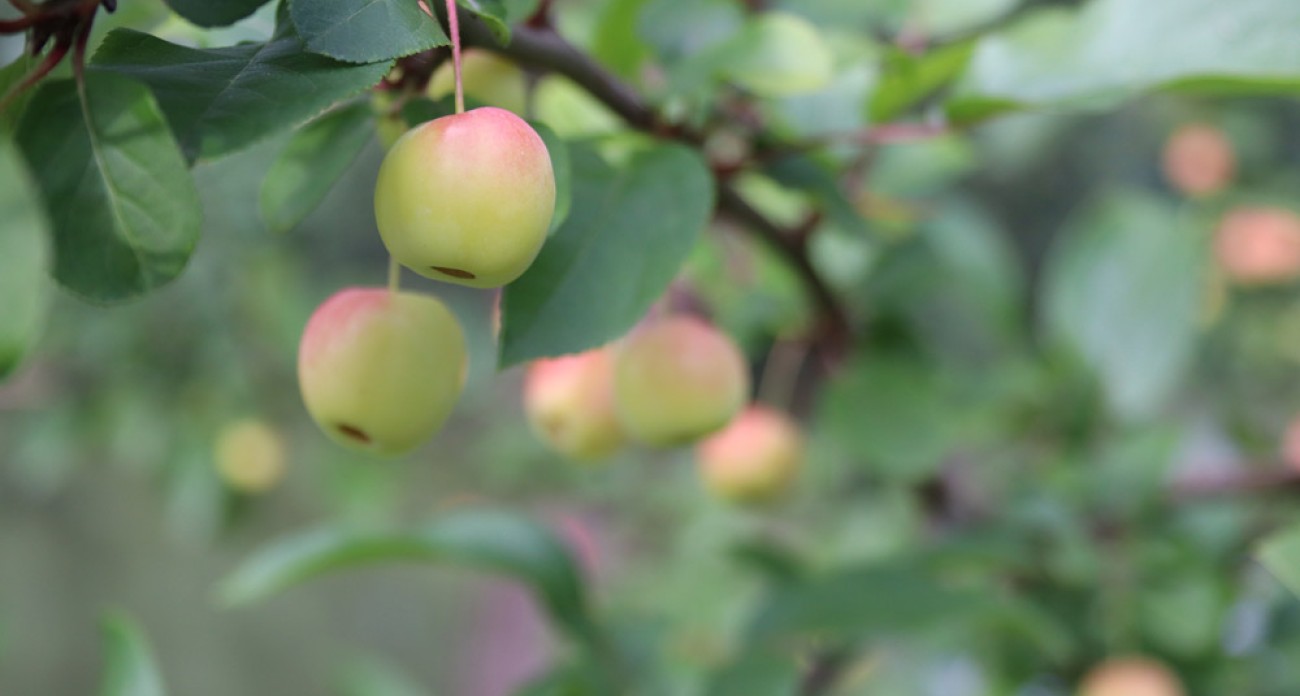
(453, 272)
(353, 432)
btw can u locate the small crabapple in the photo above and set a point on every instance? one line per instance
(1130, 676)
(570, 404)
(754, 458)
(487, 77)
(677, 380)
(467, 198)
(381, 370)
(250, 456)
(1198, 160)
(1259, 245)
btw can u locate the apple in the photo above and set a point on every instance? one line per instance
(1259, 245)
(678, 379)
(250, 456)
(1131, 676)
(487, 77)
(754, 459)
(570, 404)
(390, 126)
(1198, 160)
(380, 370)
(466, 198)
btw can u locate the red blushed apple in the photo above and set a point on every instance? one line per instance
(677, 380)
(1257, 245)
(1131, 676)
(379, 370)
(467, 198)
(754, 459)
(1198, 160)
(570, 404)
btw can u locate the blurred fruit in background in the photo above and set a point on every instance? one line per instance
(1199, 160)
(1257, 245)
(754, 459)
(251, 456)
(1131, 676)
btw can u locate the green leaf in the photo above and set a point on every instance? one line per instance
(372, 677)
(893, 413)
(123, 207)
(757, 672)
(615, 42)
(365, 31)
(578, 679)
(776, 54)
(24, 258)
(215, 13)
(1280, 554)
(806, 173)
(940, 17)
(1123, 291)
(775, 562)
(1183, 614)
(310, 163)
(11, 75)
(908, 79)
(129, 665)
(1112, 49)
(871, 600)
(499, 15)
(220, 100)
(628, 232)
(485, 539)
(559, 152)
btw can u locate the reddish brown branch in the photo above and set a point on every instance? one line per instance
(51, 60)
(1277, 479)
(545, 50)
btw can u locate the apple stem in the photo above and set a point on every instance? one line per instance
(453, 24)
(394, 275)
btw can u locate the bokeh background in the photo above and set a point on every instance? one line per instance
(1050, 334)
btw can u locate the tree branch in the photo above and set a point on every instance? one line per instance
(824, 672)
(548, 51)
(1277, 479)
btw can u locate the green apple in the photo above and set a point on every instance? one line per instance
(677, 380)
(467, 198)
(754, 459)
(380, 371)
(487, 77)
(1131, 676)
(390, 126)
(569, 401)
(250, 456)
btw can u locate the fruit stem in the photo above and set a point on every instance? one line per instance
(394, 275)
(453, 24)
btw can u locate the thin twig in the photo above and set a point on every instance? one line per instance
(824, 672)
(52, 59)
(1277, 479)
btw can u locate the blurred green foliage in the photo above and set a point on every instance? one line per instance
(1061, 435)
